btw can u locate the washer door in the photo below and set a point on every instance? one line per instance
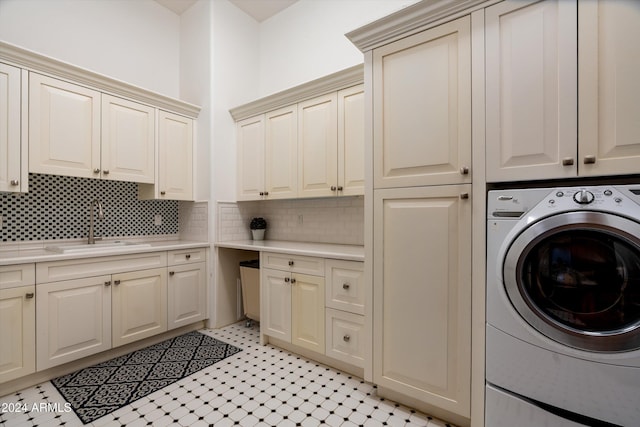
(575, 277)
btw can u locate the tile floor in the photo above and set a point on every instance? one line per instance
(260, 386)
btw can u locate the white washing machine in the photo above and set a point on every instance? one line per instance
(563, 307)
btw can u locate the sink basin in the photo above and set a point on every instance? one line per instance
(97, 247)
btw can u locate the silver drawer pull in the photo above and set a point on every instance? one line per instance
(116, 282)
(346, 286)
(346, 338)
(589, 160)
(568, 161)
(96, 170)
(29, 295)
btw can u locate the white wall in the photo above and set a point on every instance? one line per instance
(136, 41)
(306, 41)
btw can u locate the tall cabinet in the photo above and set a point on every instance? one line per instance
(421, 228)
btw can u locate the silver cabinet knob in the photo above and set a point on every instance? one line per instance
(96, 170)
(188, 256)
(171, 273)
(287, 280)
(162, 193)
(105, 172)
(464, 196)
(116, 282)
(589, 160)
(345, 286)
(464, 170)
(290, 263)
(107, 283)
(29, 295)
(262, 193)
(567, 161)
(333, 188)
(346, 338)
(340, 188)
(15, 182)
(293, 280)
(266, 193)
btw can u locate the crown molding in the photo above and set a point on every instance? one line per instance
(336, 81)
(407, 20)
(55, 68)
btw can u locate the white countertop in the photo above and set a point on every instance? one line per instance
(37, 252)
(323, 250)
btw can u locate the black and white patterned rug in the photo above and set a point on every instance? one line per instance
(101, 389)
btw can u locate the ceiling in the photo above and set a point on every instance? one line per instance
(258, 9)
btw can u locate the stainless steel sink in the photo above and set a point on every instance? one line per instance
(116, 245)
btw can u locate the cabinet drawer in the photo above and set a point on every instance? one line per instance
(293, 263)
(345, 285)
(186, 256)
(345, 337)
(13, 276)
(55, 271)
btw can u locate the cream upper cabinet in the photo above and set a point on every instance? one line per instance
(531, 72)
(281, 153)
(318, 146)
(139, 305)
(422, 294)
(73, 320)
(128, 140)
(64, 128)
(422, 108)
(250, 162)
(175, 158)
(540, 123)
(608, 89)
(351, 141)
(13, 164)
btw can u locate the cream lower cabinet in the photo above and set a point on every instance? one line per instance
(345, 303)
(17, 321)
(73, 320)
(139, 305)
(422, 295)
(292, 302)
(186, 286)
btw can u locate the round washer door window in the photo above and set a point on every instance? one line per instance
(575, 277)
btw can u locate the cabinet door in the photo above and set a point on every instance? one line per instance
(307, 312)
(531, 91)
(609, 66)
(186, 294)
(17, 332)
(128, 140)
(422, 294)
(275, 299)
(250, 134)
(11, 176)
(281, 153)
(422, 108)
(139, 305)
(351, 141)
(175, 145)
(73, 321)
(318, 147)
(64, 128)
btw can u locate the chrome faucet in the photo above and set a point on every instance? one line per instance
(94, 204)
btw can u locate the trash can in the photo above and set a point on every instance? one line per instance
(250, 279)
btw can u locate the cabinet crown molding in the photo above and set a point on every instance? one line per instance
(55, 68)
(339, 80)
(408, 20)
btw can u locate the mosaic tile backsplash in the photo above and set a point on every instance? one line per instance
(57, 207)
